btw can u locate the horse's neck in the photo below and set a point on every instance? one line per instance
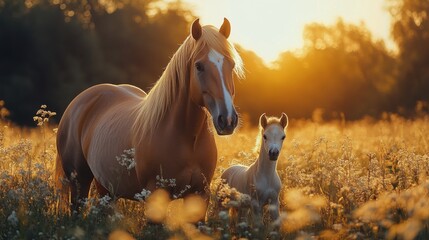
(187, 115)
(264, 166)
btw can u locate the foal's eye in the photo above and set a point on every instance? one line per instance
(265, 137)
(199, 66)
(283, 138)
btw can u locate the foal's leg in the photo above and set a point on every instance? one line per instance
(274, 209)
(257, 211)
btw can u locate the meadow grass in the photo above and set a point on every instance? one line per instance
(341, 180)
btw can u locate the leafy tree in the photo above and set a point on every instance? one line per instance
(349, 71)
(410, 30)
(341, 69)
(52, 50)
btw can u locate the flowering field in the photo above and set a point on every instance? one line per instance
(341, 180)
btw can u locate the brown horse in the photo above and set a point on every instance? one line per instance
(167, 128)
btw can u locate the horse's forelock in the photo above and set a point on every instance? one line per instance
(153, 108)
(216, 41)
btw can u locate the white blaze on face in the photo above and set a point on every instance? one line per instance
(217, 59)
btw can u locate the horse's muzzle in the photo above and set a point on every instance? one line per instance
(273, 154)
(226, 125)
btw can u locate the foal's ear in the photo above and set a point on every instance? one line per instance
(225, 29)
(263, 120)
(196, 30)
(284, 121)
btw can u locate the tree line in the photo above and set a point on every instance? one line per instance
(52, 50)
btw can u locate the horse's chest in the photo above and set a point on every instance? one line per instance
(189, 163)
(185, 153)
(267, 188)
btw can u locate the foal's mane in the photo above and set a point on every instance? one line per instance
(173, 80)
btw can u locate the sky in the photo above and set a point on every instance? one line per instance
(269, 27)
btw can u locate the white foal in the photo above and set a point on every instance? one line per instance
(261, 180)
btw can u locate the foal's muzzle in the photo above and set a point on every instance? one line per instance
(273, 154)
(225, 125)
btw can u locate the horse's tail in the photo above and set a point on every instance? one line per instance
(62, 186)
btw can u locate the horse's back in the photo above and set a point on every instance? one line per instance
(236, 177)
(91, 104)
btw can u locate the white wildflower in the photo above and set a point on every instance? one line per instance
(182, 192)
(105, 200)
(242, 225)
(127, 159)
(223, 215)
(13, 219)
(337, 226)
(143, 195)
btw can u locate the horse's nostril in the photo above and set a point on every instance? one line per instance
(273, 152)
(221, 121)
(234, 120)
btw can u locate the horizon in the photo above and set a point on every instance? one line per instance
(251, 33)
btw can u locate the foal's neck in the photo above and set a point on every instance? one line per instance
(265, 166)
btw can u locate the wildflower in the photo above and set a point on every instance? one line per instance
(408, 229)
(143, 195)
(105, 200)
(244, 200)
(78, 232)
(223, 215)
(127, 159)
(156, 205)
(165, 182)
(43, 116)
(337, 226)
(116, 216)
(242, 225)
(182, 192)
(13, 219)
(119, 234)
(195, 208)
(73, 175)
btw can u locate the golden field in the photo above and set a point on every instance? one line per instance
(341, 180)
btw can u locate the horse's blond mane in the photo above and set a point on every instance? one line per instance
(172, 81)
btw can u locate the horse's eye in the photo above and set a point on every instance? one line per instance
(265, 137)
(283, 138)
(199, 66)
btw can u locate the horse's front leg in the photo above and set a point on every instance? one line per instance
(257, 211)
(274, 209)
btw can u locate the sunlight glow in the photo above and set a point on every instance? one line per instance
(273, 26)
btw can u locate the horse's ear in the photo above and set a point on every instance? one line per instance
(196, 30)
(284, 121)
(263, 120)
(225, 29)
